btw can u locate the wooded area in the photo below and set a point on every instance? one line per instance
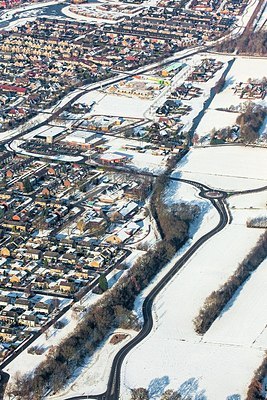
(250, 122)
(252, 43)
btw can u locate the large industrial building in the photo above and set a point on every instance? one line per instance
(84, 138)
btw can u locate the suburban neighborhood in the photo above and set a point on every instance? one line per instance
(133, 208)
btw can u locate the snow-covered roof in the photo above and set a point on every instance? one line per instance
(128, 208)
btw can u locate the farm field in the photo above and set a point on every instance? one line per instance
(228, 168)
(219, 365)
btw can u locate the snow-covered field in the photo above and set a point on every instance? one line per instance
(226, 167)
(115, 105)
(215, 119)
(250, 201)
(243, 69)
(199, 371)
(243, 320)
(122, 106)
(206, 368)
(197, 103)
(143, 161)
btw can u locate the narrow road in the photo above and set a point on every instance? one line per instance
(7, 140)
(113, 387)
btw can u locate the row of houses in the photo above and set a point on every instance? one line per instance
(251, 90)
(36, 71)
(205, 70)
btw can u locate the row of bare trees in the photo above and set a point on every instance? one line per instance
(143, 394)
(252, 43)
(256, 389)
(257, 222)
(215, 303)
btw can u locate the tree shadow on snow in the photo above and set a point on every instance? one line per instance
(189, 390)
(234, 397)
(157, 386)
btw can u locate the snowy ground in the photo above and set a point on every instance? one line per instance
(242, 69)
(219, 366)
(143, 161)
(178, 192)
(243, 321)
(115, 105)
(215, 119)
(201, 371)
(252, 201)
(226, 167)
(99, 367)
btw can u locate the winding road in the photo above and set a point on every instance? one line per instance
(113, 387)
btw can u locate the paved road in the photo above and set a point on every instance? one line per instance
(113, 388)
(96, 86)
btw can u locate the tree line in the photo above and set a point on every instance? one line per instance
(143, 394)
(257, 222)
(250, 122)
(251, 43)
(215, 303)
(255, 389)
(114, 309)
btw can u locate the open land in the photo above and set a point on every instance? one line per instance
(97, 101)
